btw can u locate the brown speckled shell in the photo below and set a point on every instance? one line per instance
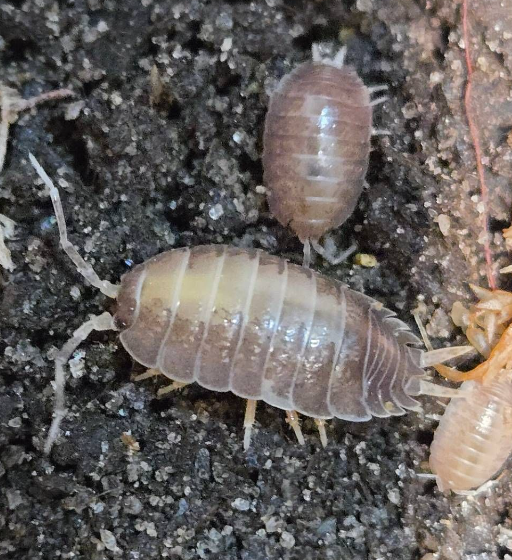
(247, 322)
(316, 147)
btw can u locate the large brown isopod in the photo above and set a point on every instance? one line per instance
(248, 322)
(317, 146)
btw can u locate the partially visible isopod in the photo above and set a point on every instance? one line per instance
(247, 322)
(317, 146)
(474, 436)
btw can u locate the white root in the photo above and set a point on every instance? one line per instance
(11, 105)
(6, 232)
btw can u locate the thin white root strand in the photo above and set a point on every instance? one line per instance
(423, 330)
(84, 268)
(381, 132)
(343, 256)
(12, 104)
(320, 424)
(293, 419)
(433, 357)
(103, 322)
(6, 232)
(4, 135)
(250, 415)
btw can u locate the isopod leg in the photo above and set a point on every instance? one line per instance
(83, 267)
(330, 259)
(293, 419)
(250, 415)
(315, 52)
(306, 261)
(379, 100)
(103, 322)
(320, 424)
(147, 374)
(435, 357)
(375, 89)
(174, 386)
(339, 58)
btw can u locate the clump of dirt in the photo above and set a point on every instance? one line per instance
(161, 148)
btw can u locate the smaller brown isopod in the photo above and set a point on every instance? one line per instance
(317, 146)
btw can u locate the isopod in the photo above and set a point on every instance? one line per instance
(474, 436)
(317, 146)
(253, 324)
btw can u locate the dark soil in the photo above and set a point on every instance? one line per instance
(143, 168)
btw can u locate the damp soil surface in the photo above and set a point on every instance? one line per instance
(161, 148)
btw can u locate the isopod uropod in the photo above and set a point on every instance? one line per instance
(317, 146)
(247, 322)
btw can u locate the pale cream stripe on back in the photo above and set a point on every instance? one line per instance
(138, 292)
(174, 306)
(208, 310)
(343, 324)
(277, 322)
(306, 337)
(245, 315)
(367, 354)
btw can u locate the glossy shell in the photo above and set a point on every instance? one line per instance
(474, 437)
(316, 147)
(250, 323)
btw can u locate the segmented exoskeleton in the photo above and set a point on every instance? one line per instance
(317, 146)
(244, 321)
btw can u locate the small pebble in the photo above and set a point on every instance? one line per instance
(241, 505)
(287, 540)
(108, 539)
(216, 212)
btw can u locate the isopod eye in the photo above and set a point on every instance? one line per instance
(120, 322)
(127, 298)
